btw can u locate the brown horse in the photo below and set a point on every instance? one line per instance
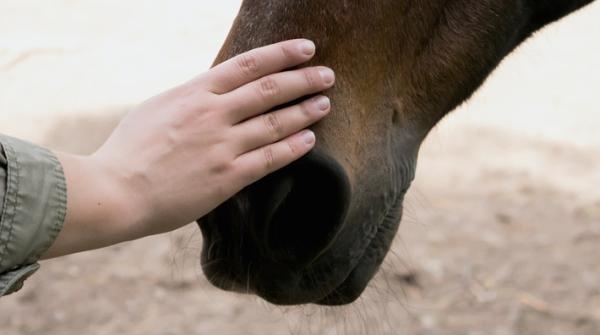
(318, 230)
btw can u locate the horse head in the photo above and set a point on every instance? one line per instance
(318, 230)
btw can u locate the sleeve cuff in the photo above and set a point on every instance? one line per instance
(12, 281)
(33, 211)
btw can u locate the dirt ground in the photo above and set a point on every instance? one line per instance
(501, 232)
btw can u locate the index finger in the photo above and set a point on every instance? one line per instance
(258, 63)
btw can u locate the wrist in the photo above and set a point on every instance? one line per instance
(125, 208)
(100, 209)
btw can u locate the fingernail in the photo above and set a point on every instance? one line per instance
(307, 47)
(323, 103)
(327, 75)
(308, 137)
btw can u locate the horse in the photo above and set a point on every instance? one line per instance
(318, 230)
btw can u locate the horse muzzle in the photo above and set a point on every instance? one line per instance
(264, 239)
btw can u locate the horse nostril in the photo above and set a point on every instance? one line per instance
(304, 208)
(280, 191)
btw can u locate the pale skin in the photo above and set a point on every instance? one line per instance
(180, 154)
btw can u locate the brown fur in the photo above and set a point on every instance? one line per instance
(401, 66)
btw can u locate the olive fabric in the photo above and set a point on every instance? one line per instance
(33, 199)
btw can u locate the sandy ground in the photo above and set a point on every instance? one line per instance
(502, 227)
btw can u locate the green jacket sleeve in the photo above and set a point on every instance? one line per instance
(33, 199)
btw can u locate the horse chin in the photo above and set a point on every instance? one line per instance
(331, 287)
(370, 261)
(330, 279)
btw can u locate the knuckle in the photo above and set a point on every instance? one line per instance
(223, 166)
(311, 78)
(269, 158)
(268, 88)
(248, 64)
(296, 147)
(287, 51)
(274, 126)
(293, 147)
(223, 162)
(306, 107)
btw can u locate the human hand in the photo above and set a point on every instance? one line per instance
(180, 154)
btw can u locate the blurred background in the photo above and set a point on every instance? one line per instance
(502, 226)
